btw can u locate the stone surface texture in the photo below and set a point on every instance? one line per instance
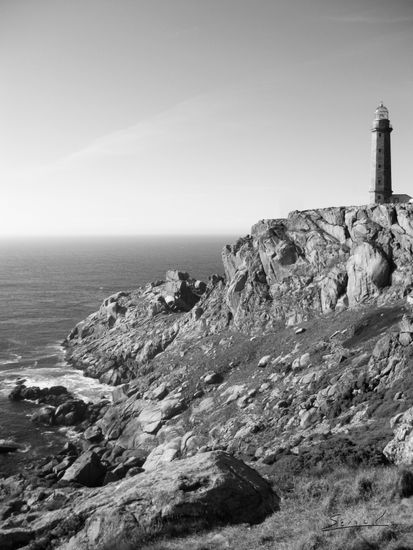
(210, 488)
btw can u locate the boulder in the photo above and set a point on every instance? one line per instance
(150, 418)
(23, 392)
(400, 449)
(171, 407)
(71, 412)
(406, 324)
(86, 470)
(160, 392)
(93, 434)
(206, 490)
(305, 360)
(213, 378)
(263, 362)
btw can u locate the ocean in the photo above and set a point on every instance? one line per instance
(49, 285)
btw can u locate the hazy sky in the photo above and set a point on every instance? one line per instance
(195, 116)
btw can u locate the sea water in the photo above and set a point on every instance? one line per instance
(49, 285)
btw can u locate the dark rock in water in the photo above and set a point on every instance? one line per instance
(56, 390)
(86, 470)
(55, 395)
(44, 415)
(21, 390)
(9, 446)
(70, 412)
(202, 491)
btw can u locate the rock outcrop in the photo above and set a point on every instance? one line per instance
(400, 449)
(205, 490)
(60, 407)
(286, 271)
(317, 260)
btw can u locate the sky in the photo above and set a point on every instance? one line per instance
(136, 117)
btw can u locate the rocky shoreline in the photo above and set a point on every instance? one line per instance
(299, 358)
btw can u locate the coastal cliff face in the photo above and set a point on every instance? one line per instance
(318, 260)
(284, 273)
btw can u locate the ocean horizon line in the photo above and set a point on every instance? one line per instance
(114, 236)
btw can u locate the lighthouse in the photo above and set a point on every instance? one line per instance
(381, 189)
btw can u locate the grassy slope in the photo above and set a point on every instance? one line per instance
(343, 475)
(359, 496)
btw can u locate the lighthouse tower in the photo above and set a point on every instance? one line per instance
(380, 190)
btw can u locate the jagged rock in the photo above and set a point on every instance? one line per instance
(332, 288)
(400, 449)
(86, 470)
(151, 418)
(93, 434)
(205, 490)
(120, 393)
(160, 392)
(368, 271)
(307, 418)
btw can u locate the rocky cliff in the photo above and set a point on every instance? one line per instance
(299, 357)
(286, 272)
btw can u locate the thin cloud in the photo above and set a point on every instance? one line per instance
(370, 19)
